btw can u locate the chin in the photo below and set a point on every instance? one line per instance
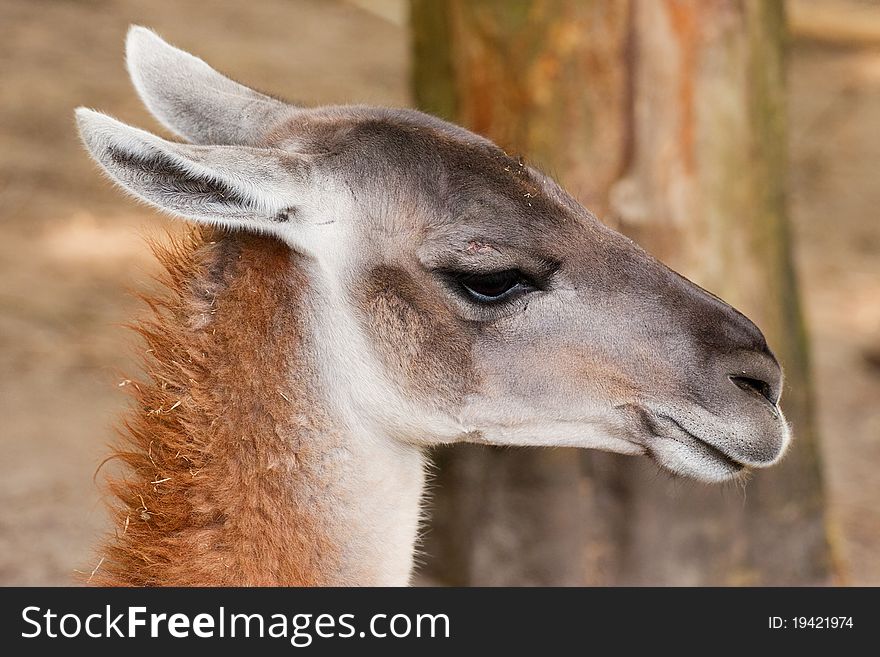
(686, 454)
(696, 461)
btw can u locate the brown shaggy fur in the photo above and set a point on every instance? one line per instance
(219, 433)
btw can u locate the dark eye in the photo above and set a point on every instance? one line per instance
(494, 287)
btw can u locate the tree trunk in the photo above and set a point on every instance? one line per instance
(666, 118)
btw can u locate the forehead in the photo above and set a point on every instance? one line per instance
(409, 170)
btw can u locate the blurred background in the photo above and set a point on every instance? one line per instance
(736, 139)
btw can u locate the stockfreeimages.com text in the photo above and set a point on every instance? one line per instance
(300, 629)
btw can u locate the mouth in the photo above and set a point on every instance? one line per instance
(679, 451)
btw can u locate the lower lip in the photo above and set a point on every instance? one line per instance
(736, 466)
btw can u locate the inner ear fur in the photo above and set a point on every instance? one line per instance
(239, 186)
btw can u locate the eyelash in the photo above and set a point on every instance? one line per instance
(480, 288)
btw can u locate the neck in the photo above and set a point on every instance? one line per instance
(239, 470)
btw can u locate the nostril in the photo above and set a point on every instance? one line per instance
(755, 386)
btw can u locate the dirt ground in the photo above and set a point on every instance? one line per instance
(72, 247)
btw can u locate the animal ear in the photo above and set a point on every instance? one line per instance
(192, 99)
(236, 186)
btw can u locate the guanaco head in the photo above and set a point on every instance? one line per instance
(456, 293)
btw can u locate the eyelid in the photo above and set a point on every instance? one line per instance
(538, 270)
(462, 274)
(458, 281)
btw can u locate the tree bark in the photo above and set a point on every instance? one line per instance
(667, 119)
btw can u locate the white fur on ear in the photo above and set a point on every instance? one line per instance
(236, 186)
(192, 99)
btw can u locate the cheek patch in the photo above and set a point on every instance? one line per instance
(417, 337)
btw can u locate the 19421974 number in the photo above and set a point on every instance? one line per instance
(810, 622)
